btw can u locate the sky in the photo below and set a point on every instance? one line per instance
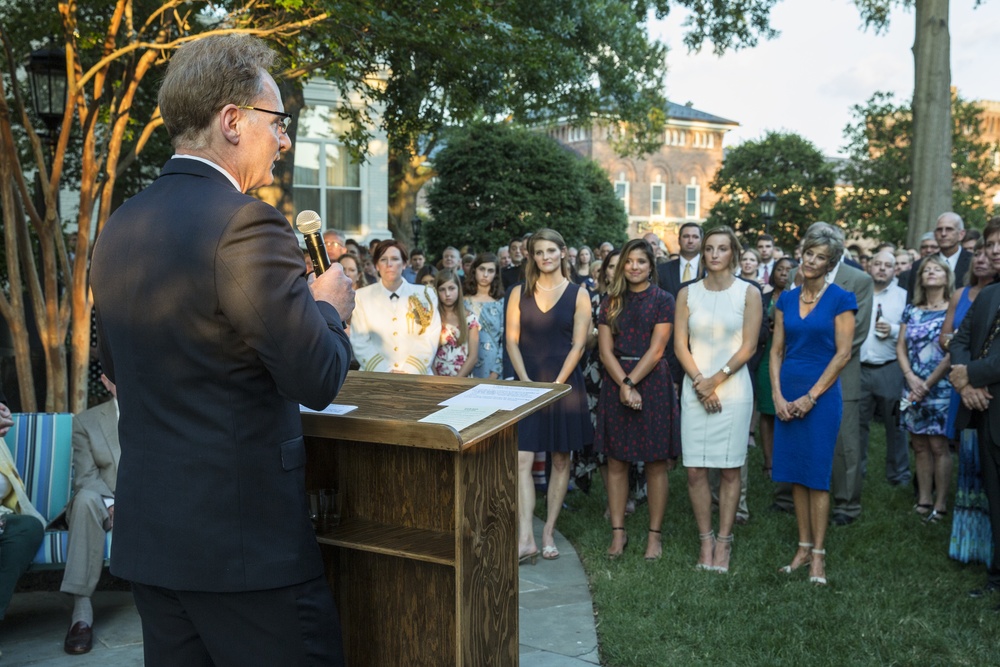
(824, 61)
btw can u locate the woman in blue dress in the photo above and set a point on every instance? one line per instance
(971, 536)
(811, 344)
(925, 367)
(548, 319)
(485, 300)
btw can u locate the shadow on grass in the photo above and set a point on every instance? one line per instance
(895, 598)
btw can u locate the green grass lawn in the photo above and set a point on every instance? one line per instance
(894, 598)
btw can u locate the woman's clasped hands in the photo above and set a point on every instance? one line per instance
(630, 397)
(787, 411)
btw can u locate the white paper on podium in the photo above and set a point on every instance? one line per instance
(496, 396)
(459, 417)
(332, 409)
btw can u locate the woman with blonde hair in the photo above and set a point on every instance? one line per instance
(925, 367)
(548, 318)
(715, 334)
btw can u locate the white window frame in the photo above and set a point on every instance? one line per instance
(688, 190)
(660, 211)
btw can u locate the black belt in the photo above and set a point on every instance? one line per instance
(884, 363)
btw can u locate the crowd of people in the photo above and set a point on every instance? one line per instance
(696, 356)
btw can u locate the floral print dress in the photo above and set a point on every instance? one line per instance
(927, 417)
(450, 355)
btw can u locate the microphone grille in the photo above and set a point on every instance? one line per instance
(308, 222)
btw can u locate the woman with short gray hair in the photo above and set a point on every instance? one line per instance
(813, 330)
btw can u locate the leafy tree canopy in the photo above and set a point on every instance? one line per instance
(878, 171)
(496, 182)
(788, 165)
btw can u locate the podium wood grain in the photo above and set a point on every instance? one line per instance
(424, 563)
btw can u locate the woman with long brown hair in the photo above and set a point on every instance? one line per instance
(548, 318)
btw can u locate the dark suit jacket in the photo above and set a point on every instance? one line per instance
(961, 268)
(209, 330)
(966, 348)
(668, 276)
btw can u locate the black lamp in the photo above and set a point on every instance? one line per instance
(415, 226)
(47, 74)
(768, 202)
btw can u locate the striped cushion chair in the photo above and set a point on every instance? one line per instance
(41, 445)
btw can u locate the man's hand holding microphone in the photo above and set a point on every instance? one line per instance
(331, 285)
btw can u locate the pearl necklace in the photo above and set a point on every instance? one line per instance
(549, 289)
(802, 295)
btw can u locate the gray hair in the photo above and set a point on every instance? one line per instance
(929, 236)
(955, 217)
(825, 234)
(206, 75)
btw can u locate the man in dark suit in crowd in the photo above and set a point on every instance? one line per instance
(91, 512)
(949, 232)
(685, 268)
(213, 338)
(975, 373)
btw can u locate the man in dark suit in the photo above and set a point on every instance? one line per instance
(949, 232)
(975, 373)
(213, 338)
(91, 512)
(685, 268)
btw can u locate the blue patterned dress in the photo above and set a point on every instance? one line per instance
(490, 315)
(923, 327)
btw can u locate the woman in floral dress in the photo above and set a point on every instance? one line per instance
(926, 396)
(458, 348)
(485, 300)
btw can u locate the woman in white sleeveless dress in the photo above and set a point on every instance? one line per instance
(716, 329)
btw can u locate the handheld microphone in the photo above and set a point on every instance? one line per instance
(309, 223)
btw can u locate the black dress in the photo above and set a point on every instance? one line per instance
(545, 340)
(653, 433)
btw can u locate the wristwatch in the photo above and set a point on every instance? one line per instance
(726, 370)
(628, 382)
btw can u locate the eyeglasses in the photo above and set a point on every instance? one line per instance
(286, 118)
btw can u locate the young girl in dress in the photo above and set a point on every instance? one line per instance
(485, 299)
(458, 348)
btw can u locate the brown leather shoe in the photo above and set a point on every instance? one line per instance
(79, 639)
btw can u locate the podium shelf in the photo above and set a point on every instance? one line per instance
(431, 546)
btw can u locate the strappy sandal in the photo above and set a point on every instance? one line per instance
(728, 541)
(704, 537)
(788, 569)
(659, 555)
(819, 581)
(619, 554)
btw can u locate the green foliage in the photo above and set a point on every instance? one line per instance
(496, 182)
(878, 169)
(791, 167)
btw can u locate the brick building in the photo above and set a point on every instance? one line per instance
(661, 190)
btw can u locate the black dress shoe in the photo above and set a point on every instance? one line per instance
(988, 589)
(79, 639)
(842, 520)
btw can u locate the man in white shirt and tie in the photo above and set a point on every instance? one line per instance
(765, 248)
(687, 267)
(881, 379)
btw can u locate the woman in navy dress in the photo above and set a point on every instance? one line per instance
(548, 318)
(637, 416)
(813, 330)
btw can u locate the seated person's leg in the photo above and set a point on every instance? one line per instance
(18, 545)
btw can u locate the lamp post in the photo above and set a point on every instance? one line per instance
(768, 201)
(47, 76)
(415, 226)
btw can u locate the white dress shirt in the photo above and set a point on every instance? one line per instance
(387, 334)
(877, 350)
(694, 263)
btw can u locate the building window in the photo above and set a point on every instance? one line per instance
(692, 201)
(657, 195)
(621, 190)
(326, 179)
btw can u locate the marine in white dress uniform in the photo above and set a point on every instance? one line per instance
(396, 334)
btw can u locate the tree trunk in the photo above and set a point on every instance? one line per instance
(407, 175)
(932, 124)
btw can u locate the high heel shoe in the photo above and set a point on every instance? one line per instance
(657, 556)
(788, 569)
(819, 581)
(704, 537)
(615, 555)
(726, 540)
(531, 558)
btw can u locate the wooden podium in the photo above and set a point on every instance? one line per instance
(424, 563)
